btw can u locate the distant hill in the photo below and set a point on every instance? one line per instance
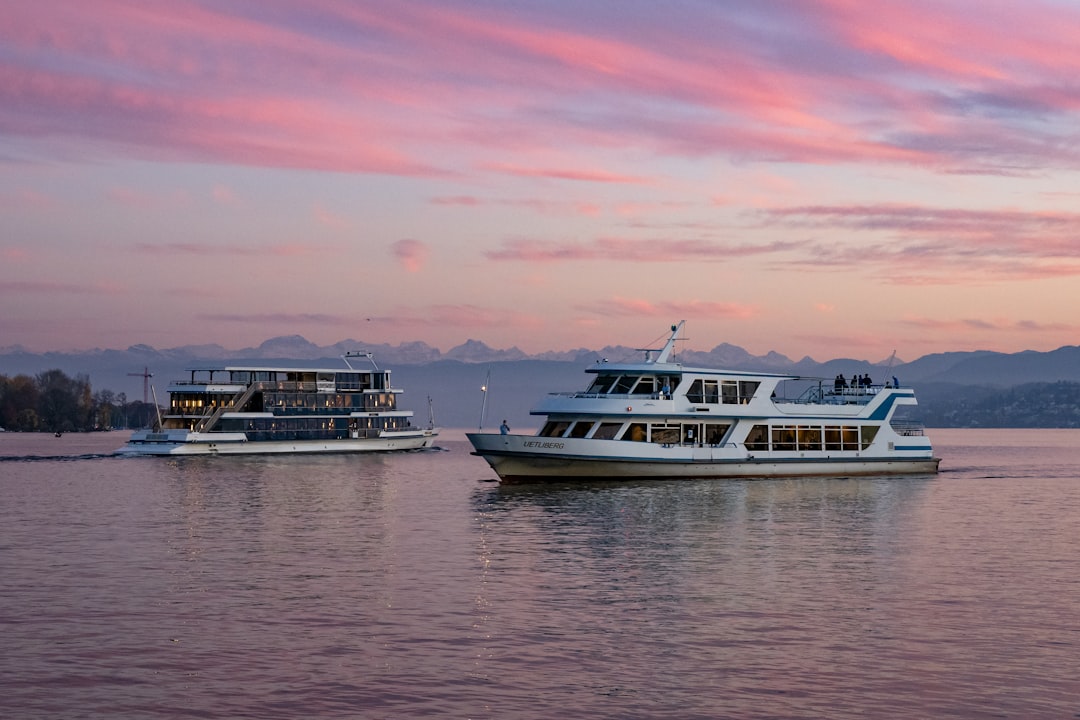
(950, 385)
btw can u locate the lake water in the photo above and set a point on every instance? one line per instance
(411, 585)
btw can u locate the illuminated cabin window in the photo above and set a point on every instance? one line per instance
(635, 432)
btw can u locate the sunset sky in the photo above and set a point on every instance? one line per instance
(833, 178)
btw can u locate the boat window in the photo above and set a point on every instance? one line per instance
(833, 439)
(850, 437)
(809, 437)
(747, 389)
(646, 386)
(665, 434)
(607, 431)
(601, 384)
(635, 432)
(348, 381)
(715, 432)
(783, 437)
(869, 432)
(729, 392)
(623, 385)
(703, 391)
(758, 438)
(554, 429)
(695, 394)
(580, 429)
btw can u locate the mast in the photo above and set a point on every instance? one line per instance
(669, 347)
(484, 390)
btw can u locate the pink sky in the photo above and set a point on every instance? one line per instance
(827, 178)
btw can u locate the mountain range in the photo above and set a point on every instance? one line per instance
(451, 380)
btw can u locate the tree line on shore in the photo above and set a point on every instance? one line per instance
(53, 402)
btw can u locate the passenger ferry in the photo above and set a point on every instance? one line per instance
(657, 419)
(236, 410)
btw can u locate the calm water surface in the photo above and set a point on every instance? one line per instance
(406, 586)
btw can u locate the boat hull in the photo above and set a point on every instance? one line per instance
(516, 464)
(191, 443)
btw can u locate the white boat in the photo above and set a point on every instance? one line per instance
(248, 410)
(658, 419)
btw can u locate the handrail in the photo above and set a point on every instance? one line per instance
(236, 402)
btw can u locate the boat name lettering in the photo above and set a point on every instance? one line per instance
(538, 444)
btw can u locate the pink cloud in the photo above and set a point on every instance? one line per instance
(632, 250)
(995, 325)
(923, 245)
(412, 254)
(545, 207)
(465, 200)
(325, 217)
(39, 287)
(459, 316)
(599, 176)
(630, 307)
(225, 250)
(26, 199)
(862, 85)
(280, 319)
(136, 198)
(224, 195)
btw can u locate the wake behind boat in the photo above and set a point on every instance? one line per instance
(658, 419)
(233, 410)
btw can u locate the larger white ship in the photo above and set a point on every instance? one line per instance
(233, 410)
(658, 419)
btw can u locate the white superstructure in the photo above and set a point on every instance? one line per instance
(659, 419)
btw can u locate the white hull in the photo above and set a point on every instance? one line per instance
(191, 443)
(515, 462)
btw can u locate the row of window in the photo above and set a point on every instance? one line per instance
(200, 403)
(364, 401)
(810, 437)
(343, 380)
(311, 428)
(731, 392)
(663, 433)
(760, 438)
(648, 385)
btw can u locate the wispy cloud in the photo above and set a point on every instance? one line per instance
(325, 217)
(919, 244)
(465, 316)
(225, 250)
(562, 208)
(637, 307)
(582, 175)
(818, 82)
(993, 325)
(280, 319)
(632, 250)
(44, 287)
(412, 254)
